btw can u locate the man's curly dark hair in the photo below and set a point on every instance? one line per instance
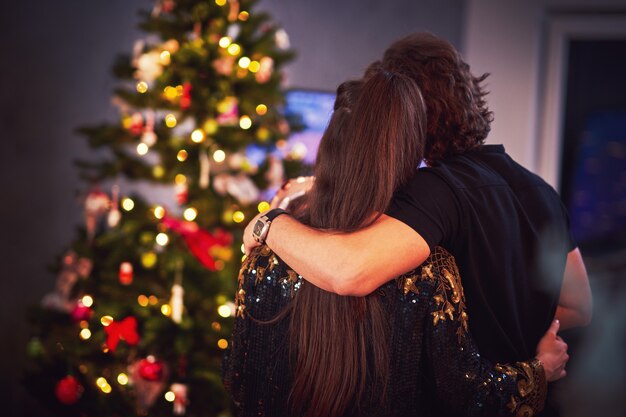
(458, 116)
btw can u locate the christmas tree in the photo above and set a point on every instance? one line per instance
(142, 309)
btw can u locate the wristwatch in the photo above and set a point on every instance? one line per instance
(262, 226)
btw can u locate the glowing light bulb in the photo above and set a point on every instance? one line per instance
(158, 171)
(166, 310)
(106, 389)
(243, 16)
(148, 260)
(219, 155)
(87, 300)
(142, 300)
(142, 149)
(106, 320)
(128, 204)
(244, 62)
(153, 300)
(122, 379)
(222, 343)
(190, 214)
(182, 155)
(224, 311)
(180, 179)
(101, 382)
(170, 396)
(254, 66)
(243, 248)
(238, 216)
(85, 334)
(170, 120)
(170, 92)
(261, 109)
(224, 42)
(197, 136)
(220, 2)
(245, 122)
(165, 58)
(159, 212)
(142, 87)
(234, 49)
(162, 239)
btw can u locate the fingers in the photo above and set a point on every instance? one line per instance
(554, 327)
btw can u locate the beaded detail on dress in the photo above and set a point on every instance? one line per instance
(435, 366)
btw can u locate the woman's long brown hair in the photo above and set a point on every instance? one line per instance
(372, 145)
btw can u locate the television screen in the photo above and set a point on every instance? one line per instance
(313, 108)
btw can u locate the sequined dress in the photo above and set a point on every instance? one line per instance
(435, 366)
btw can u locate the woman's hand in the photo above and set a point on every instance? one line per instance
(291, 190)
(552, 352)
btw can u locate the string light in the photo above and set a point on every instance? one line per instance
(243, 248)
(224, 42)
(153, 300)
(245, 122)
(190, 214)
(128, 204)
(254, 66)
(219, 155)
(216, 326)
(263, 206)
(148, 260)
(210, 126)
(244, 62)
(158, 171)
(87, 300)
(106, 320)
(180, 179)
(238, 216)
(170, 92)
(142, 149)
(222, 343)
(122, 379)
(159, 212)
(165, 58)
(85, 334)
(162, 239)
(234, 49)
(166, 310)
(142, 87)
(220, 2)
(243, 16)
(182, 155)
(224, 311)
(142, 300)
(197, 135)
(170, 120)
(261, 109)
(169, 396)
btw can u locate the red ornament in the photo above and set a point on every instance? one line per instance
(125, 330)
(199, 241)
(126, 273)
(81, 312)
(185, 98)
(68, 391)
(136, 124)
(150, 369)
(182, 193)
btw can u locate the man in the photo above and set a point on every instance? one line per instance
(505, 226)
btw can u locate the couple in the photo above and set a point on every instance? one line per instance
(469, 329)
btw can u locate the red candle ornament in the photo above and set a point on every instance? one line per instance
(126, 273)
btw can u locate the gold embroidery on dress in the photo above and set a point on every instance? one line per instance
(531, 387)
(449, 297)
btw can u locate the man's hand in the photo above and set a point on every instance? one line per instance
(552, 352)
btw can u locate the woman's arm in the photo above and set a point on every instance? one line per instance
(345, 263)
(466, 382)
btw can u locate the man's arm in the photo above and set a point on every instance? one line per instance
(345, 263)
(575, 303)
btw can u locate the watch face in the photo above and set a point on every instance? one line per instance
(258, 228)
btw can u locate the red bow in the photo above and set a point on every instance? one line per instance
(199, 241)
(122, 330)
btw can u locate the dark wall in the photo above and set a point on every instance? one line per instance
(54, 75)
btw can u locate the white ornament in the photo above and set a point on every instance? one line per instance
(149, 66)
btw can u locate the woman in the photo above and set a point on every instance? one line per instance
(403, 350)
